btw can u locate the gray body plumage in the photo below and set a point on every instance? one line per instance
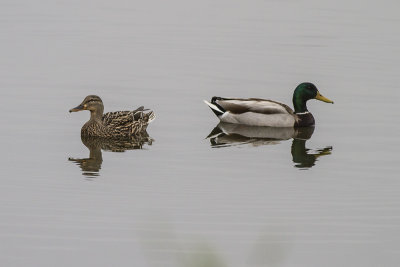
(253, 111)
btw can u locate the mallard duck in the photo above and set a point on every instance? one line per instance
(262, 112)
(112, 124)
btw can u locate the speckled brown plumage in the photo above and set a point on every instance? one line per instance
(112, 124)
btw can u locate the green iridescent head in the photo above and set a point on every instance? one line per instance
(303, 93)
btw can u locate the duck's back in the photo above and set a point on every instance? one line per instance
(118, 118)
(255, 111)
(126, 123)
(257, 105)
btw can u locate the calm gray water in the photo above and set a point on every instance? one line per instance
(243, 197)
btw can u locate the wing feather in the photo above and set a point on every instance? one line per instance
(256, 105)
(118, 118)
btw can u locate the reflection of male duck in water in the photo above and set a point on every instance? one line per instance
(304, 157)
(91, 166)
(227, 134)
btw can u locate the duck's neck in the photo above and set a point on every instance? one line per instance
(97, 114)
(299, 104)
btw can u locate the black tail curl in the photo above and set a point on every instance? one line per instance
(214, 100)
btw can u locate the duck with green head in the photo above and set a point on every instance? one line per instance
(263, 112)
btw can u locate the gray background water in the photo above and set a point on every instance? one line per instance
(181, 202)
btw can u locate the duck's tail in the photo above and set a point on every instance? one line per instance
(151, 116)
(139, 114)
(217, 110)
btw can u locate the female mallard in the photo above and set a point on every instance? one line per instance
(262, 112)
(112, 124)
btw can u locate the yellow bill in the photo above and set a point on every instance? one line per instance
(323, 98)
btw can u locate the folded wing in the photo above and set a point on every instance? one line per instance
(256, 105)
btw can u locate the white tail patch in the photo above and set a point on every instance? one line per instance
(152, 117)
(213, 106)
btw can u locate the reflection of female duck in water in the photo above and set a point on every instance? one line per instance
(227, 134)
(91, 166)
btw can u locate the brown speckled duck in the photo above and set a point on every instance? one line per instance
(112, 124)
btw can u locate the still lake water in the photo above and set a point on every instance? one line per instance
(328, 199)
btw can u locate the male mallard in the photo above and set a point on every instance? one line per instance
(112, 124)
(262, 112)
